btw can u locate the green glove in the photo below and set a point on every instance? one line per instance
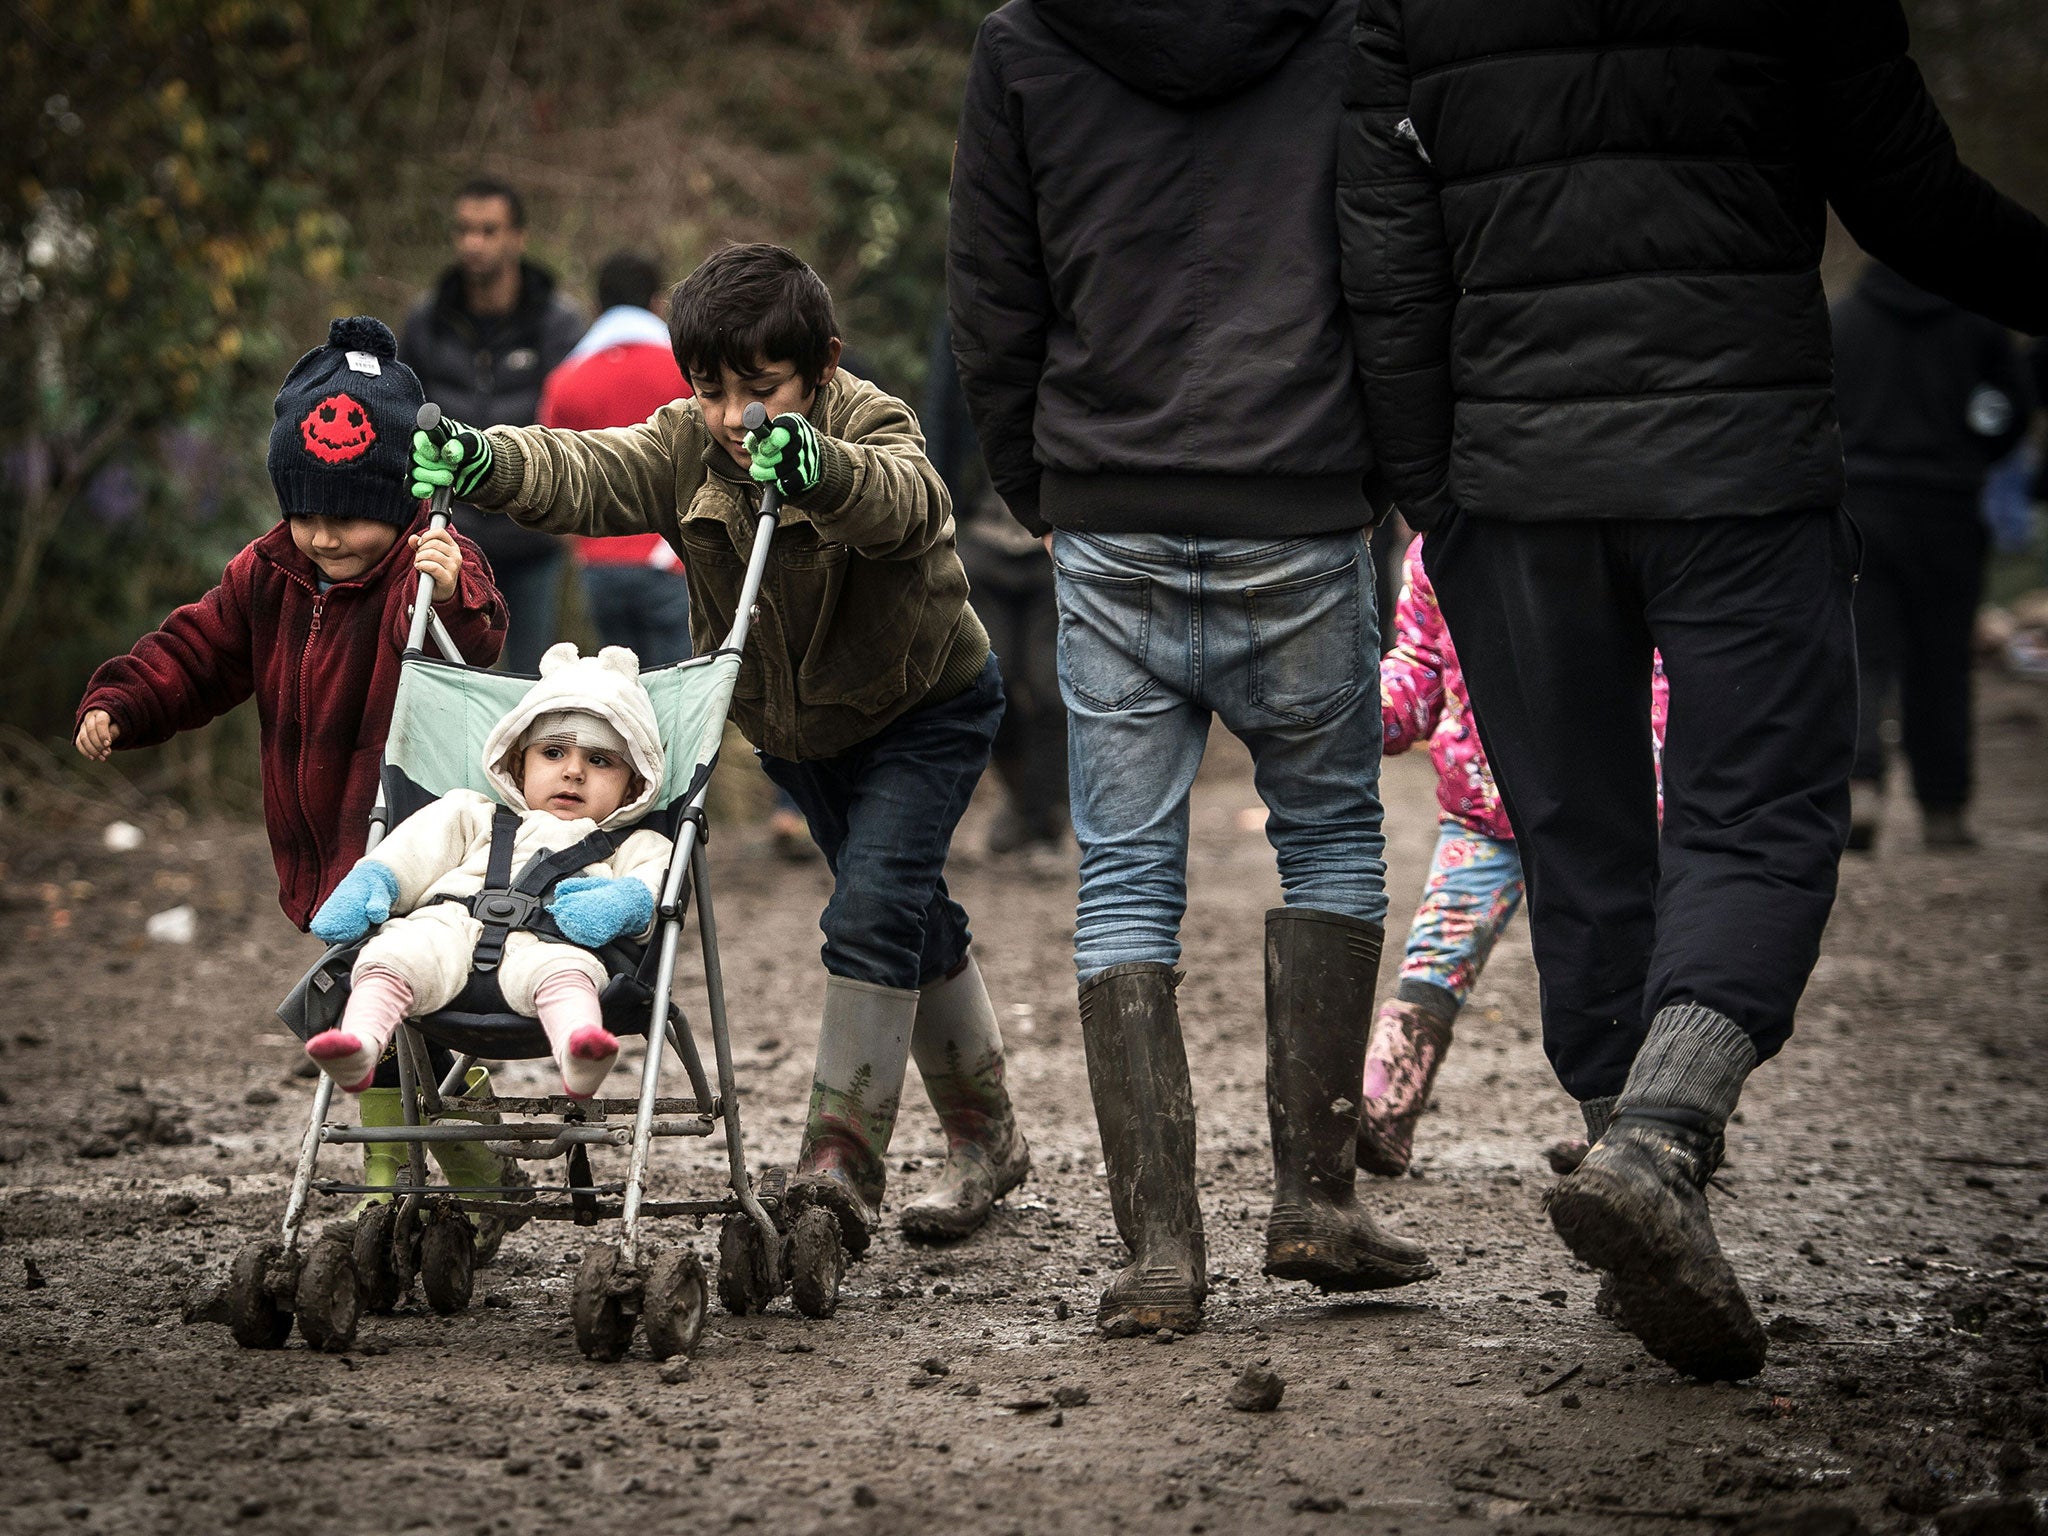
(788, 454)
(462, 463)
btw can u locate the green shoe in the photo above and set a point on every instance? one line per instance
(379, 1108)
(472, 1165)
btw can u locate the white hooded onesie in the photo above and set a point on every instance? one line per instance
(444, 849)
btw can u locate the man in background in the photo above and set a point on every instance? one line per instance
(618, 375)
(1930, 396)
(482, 341)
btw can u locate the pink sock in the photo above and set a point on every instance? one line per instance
(584, 1049)
(378, 1002)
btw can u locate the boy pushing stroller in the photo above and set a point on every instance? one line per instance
(870, 693)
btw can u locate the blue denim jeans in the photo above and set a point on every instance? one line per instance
(883, 815)
(644, 609)
(1277, 638)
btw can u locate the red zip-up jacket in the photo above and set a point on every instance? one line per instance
(324, 670)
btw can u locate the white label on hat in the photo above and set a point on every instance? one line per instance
(365, 362)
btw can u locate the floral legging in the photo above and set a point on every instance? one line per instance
(1474, 887)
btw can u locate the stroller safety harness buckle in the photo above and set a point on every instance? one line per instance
(505, 905)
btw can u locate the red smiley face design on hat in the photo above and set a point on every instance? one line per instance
(337, 430)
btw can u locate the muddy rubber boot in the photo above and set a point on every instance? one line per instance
(472, 1165)
(1320, 971)
(1565, 1157)
(959, 1052)
(863, 1047)
(1636, 1207)
(1145, 1111)
(1408, 1043)
(379, 1109)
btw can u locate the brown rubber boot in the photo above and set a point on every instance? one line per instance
(959, 1054)
(1401, 1059)
(1320, 970)
(1145, 1109)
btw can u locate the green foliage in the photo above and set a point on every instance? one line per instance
(177, 166)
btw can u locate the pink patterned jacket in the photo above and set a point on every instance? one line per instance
(1422, 697)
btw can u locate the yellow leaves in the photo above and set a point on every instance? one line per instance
(173, 97)
(193, 134)
(323, 263)
(118, 284)
(228, 345)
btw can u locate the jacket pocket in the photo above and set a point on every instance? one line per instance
(1105, 636)
(1307, 636)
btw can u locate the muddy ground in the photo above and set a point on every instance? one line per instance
(1888, 1201)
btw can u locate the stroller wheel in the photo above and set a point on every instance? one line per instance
(377, 1256)
(448, 1260)
(328, 1297)
(604, 1326)
(816, 1262)
(255, 1315)
(744, 1276)
(673, 1307)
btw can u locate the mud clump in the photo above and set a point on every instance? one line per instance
(1257, 1391)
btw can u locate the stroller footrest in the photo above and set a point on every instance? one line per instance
(583, 1109)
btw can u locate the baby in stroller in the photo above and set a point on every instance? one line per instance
(575, 765)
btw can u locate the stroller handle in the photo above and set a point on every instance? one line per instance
(754, 418)
(429, 421)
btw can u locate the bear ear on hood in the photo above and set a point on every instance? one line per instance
(621, 660)
(559, 655)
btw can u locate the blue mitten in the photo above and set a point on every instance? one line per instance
(358, 904)
(592, 909)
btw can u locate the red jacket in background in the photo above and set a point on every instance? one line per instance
(324, 670)
(616, 386)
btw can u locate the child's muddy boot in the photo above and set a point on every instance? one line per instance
(1408, 1042)
(1145, 1110)
(380, 1109)
(1636, 1207)
(959, 1053)
(1320, 971)
(863, 1047)
(472, 1165)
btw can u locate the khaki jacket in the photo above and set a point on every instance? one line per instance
(863, 612)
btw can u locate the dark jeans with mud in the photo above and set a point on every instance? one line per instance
(1555, 623)
(883, 815)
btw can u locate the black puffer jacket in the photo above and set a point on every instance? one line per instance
(1143, 266)
(488, 373)
(1931, 396)
(1581, 244)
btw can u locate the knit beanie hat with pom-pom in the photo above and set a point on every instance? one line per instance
(342, 442)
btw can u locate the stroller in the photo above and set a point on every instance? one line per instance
(442, 712)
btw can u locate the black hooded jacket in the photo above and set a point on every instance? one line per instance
(1930, 395)
(1142, 267)
(488, 373)
(1582, 244)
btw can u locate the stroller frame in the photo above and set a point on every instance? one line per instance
(324, 1284)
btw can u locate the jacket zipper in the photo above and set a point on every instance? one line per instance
(299, 775)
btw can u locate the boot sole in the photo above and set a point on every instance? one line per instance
(1697, 1323)
(1342, 1261)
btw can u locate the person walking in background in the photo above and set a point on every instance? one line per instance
(1930, 396)
(620, 373)
(1013, 593)
(1582, 253)
(1151, 338)
(483, 340)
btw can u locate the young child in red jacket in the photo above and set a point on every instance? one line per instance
(311, 618)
